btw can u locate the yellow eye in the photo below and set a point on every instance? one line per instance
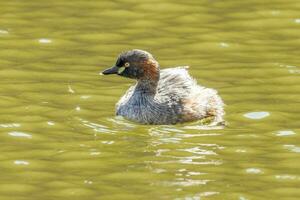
(127, 64)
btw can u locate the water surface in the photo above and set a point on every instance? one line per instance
(60, 139)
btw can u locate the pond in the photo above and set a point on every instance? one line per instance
(60, 138)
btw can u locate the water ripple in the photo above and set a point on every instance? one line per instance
(20, 134)
(292, 148)
(12, 125)
(285, 133)
(45, 41)
(97, 127)
(21, 162)
(257, 115)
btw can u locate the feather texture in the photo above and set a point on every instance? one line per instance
(178, 98)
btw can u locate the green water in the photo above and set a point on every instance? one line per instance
(58, 134)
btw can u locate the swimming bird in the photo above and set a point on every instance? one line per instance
(163, 96)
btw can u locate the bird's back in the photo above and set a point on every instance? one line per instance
(181, 91)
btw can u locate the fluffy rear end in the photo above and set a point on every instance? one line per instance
(197, 102)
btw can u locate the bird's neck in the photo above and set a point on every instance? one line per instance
(146, 87)
(148, 82)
